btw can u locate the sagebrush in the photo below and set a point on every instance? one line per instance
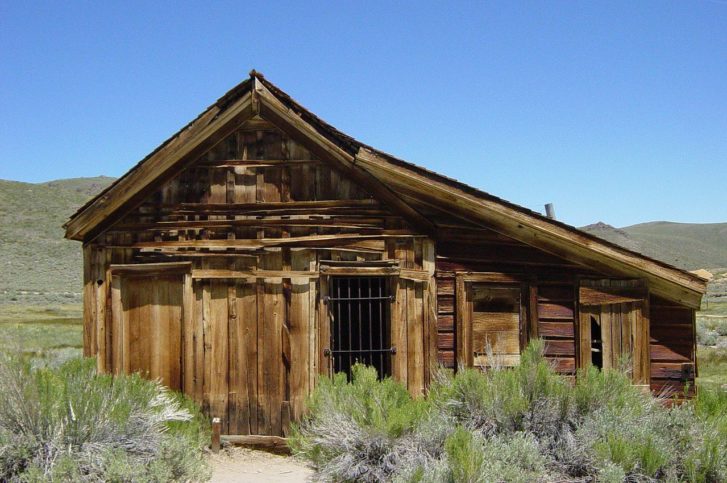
(521, 424)
(70, 424)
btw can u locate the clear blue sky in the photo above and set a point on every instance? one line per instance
(614, 111)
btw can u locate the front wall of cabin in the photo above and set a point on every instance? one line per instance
(228, 254)
(252, 219)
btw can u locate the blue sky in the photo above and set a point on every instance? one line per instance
(614, 111)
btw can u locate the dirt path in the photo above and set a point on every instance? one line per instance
(247, 465)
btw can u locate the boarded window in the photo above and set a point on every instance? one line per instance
(495, 323)
(489, 323)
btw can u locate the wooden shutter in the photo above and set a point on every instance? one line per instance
(620, 309)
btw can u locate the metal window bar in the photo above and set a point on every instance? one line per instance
(361, 325)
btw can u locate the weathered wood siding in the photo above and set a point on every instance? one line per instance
(553, 305)
(550, 298)
(673, 348)
(253, 217)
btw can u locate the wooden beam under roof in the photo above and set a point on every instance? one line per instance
(546, 235)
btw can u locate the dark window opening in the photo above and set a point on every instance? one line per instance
(596, 343)
(360, 323)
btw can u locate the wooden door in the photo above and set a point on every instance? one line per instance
(614, 326)
(147, 336)
(490, 320)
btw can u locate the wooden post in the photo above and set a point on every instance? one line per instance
(216, 427)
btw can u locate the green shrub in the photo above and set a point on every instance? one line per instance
(521, 424)
(69, 424)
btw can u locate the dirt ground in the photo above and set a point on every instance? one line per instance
(234, 464)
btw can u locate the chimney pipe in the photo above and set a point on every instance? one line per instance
(550, 211)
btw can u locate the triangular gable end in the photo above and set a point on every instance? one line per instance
(183, 148)
(248, 100)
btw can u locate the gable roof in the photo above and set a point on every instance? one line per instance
(406, 186)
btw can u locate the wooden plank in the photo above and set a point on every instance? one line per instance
(445, 340)
(447, 358)
(212, 273)
(100, 298)
(360, 271)
(237, 403)
(139, 269)
(445, 286)
(502, 342)
(563, 365)
(584, 358)
(609, 356)
(533, 313)
(270, 206)
(494, 277)
(309, 240)
(275, 443)
(608, 291)
(445, 323)
(335, 221)
(463, 323)
(300, 328)
(207, 347)
(555, 293)
(399, 332)
(559, 348)
(261, 163)
(506, 360)
(90, 319)
(549, 329)
(117, 314)
(324, 328)
(187, 335)
(445, 304)
(415, 338)
(430, 310)
(175, 328)
(263, 416)
(496, 321)
(671, 353)
(559, 310)
(667, 370)
(218, 351)
(273, 367)
(415, 275)
(198, 342)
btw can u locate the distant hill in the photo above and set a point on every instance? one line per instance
(37, 265)
(686, 245)
(85, 186)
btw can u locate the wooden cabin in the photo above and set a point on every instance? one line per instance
(259, 249)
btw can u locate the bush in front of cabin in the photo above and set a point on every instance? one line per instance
(522, 424)
(68, 423)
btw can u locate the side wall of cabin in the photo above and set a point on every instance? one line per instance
(551, 306)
